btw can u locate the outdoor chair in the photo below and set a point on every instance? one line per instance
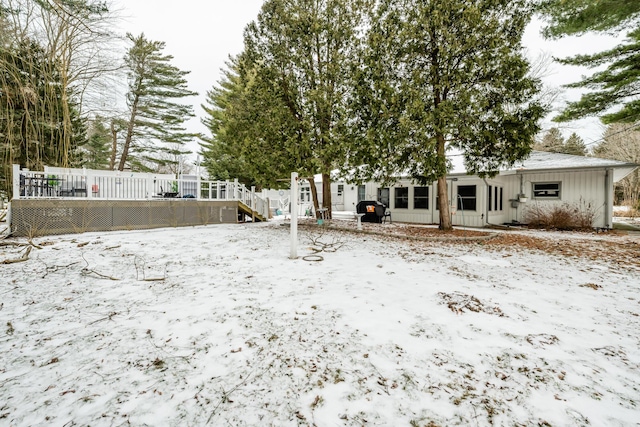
(387, 214)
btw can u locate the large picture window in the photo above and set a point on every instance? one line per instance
(401, 198)
(467, 197)
(421, 197)
(546, 190)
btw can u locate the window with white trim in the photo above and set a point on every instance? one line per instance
(305, 194)
(546, 190)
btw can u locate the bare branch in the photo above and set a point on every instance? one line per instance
(23, 258)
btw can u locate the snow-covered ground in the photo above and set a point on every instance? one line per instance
(216, 325)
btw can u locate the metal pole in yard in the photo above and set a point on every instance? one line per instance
(294, 216)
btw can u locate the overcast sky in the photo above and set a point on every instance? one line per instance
(201, 34)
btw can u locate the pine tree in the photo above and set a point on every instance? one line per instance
(440, 75)
(552, 141)
(301, 54)
(574, 145)
(229, 153)
(156, 121)
(619, 84)
(95, 152)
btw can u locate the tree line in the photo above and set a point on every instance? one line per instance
(60, 68)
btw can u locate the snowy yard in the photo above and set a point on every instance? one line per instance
(215, 325)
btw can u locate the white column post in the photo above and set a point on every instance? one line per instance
(267, 208)
(150, 190)
(88, 182)
(294, 215)
(16, 181)
(608, 198)
(253, 197)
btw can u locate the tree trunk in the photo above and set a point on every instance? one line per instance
(326, 194)
(443, 195)
(127, 141)
(443, 204)
(114, 146)
(314, 196)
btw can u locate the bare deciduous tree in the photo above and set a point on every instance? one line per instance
(56, 61)
(622, 142)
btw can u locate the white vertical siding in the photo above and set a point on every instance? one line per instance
(585, 187)
(577, 188)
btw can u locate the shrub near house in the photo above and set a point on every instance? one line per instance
(567, 216)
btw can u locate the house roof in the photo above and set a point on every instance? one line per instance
(541, 161)
(537, 162)
(544, 160)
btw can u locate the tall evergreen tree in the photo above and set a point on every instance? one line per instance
(618, 85)
(156, 120)
(440, 75)
(302, 52)
(230, 152)
(255, 136)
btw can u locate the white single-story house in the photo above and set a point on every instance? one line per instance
(543, 178)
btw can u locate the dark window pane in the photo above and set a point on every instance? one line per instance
(401, 200)
(361, 193)
(383, 196)
(421, 198)
(467, 190)
(467, 197)
(490, 198)
(546, 190)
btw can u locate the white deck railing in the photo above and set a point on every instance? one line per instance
(55, 183)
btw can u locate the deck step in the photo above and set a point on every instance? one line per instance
(248, 211)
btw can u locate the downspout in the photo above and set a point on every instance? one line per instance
(486, 205)
(608, 199)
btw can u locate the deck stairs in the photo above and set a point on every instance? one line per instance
(257, 216)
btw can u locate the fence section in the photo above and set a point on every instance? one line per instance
(73, 184)
(40, 217)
